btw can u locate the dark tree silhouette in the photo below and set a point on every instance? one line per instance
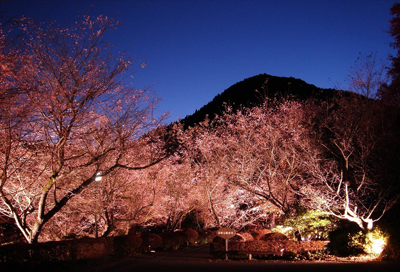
(390, 93)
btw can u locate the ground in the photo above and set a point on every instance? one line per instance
(194, 259)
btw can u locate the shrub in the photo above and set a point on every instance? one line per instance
(127, 245)
(89, 248)
(171, 240)
(390, 225)
(150, 242)
(307, 225)
(257, 234)
(375, 242)
(346, 240)
(79, 249)
(205, 236)
(274, 236)
(372, 242)
(273, 248)
(189, 235)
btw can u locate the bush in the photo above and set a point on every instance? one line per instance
(205, 236)
(274, 236)
(375, 242)
(89, 248)
(127, 245)
(390, 225)
(346, 240)
(171, 240)
(307, 225)
(9, 234)
(372, 242)
(257, 234)
(150, 242)
(286, 248)
(189, 235)
(79, 249)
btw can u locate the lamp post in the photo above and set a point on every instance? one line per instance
(98, 179)
(98, 176)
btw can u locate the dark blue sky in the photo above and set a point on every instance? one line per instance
(195, 49)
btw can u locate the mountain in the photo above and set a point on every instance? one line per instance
(252, 91)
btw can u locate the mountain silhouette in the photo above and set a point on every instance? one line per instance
(253, 91)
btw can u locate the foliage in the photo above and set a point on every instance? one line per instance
(373, 242)
(340, 240)
(356, 179)
(65, 117)
(367, 75)
(390, 91)
(273, 248)
(307, 225)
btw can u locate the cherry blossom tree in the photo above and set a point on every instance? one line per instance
(79, 121)
(331, 156)
(250, 162)
(354, 178)
(215, 196)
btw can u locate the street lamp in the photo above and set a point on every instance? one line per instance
(98, 177)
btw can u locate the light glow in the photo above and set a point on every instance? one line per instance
(378, 246)
(375, 242)
(98, 177)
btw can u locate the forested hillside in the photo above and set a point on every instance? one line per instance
(254, 90)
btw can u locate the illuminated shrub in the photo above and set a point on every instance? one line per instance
(374, 242)
(307, 225)
(269, 248)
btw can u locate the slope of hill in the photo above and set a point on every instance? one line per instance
(252, 91)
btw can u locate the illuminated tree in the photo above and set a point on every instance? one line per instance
(360, 136)
(79, 120)
(217, 199)
(111, 205)
(354, 178)
(249, 163)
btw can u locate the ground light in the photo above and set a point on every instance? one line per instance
(375, 242)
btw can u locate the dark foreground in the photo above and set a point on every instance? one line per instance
(199, 259)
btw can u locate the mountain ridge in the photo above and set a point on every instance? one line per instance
(254, 90)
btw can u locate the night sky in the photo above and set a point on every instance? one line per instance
(195, 50)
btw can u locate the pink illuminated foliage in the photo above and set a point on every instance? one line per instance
(66, 116)
(331, 156)
(249, 163)
(83, 155)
